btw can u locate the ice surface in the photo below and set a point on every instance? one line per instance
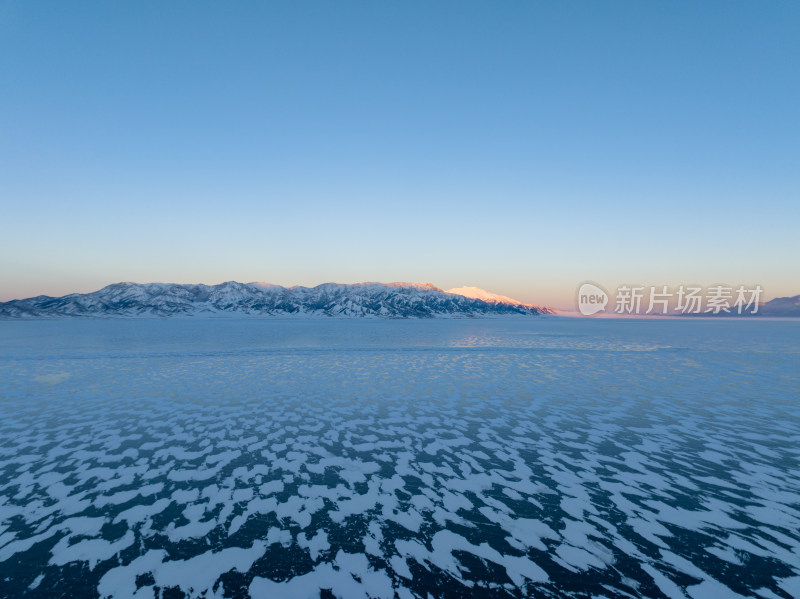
(268, 458)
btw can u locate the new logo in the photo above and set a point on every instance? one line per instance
(591, 299)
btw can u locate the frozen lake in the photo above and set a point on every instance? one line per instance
(371, 458)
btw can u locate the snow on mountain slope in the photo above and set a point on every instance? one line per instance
(489, 297)
(482, 294)
(393, 300)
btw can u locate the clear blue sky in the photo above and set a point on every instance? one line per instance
(522, 147)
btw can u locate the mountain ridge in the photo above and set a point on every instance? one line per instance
(387, 300)
(781, 306)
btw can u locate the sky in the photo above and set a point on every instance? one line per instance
(521, 147)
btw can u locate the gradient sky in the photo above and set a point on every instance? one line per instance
(522, 147)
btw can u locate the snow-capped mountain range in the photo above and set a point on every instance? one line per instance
(392, 300)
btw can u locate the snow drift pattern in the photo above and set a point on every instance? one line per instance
(503, 461)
